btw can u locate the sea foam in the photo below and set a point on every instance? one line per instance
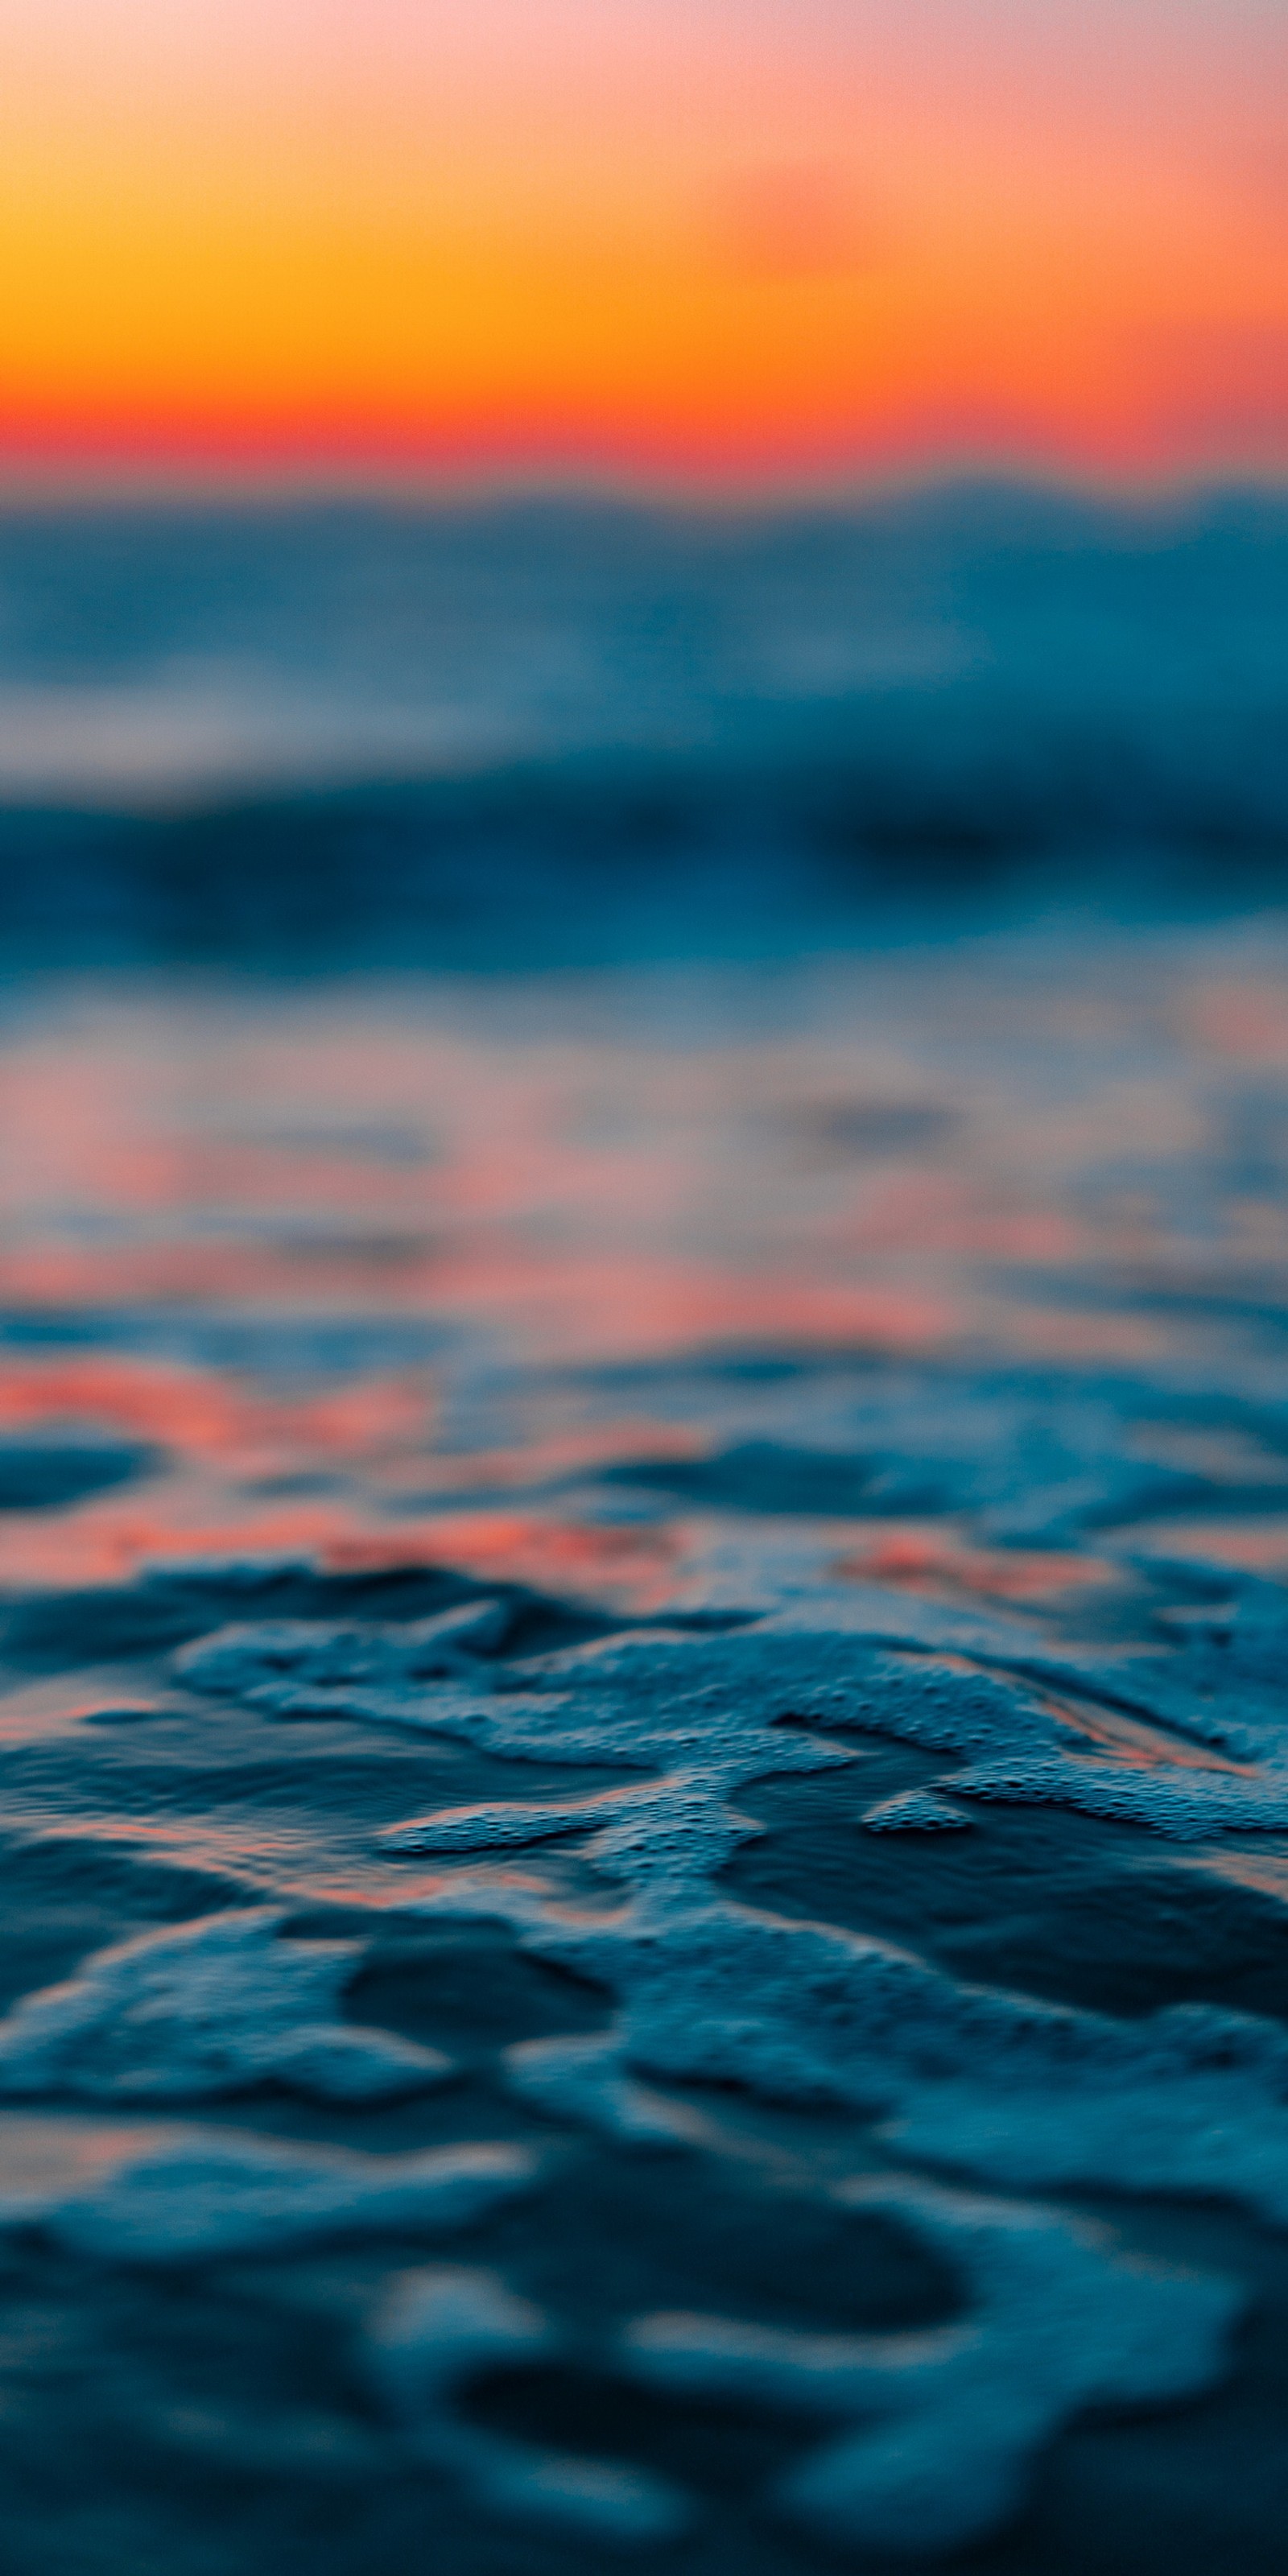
(710, 1991)
(209, 2007)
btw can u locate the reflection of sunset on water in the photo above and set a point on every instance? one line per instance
(410, 1277)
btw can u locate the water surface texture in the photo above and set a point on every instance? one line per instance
(643, 1557)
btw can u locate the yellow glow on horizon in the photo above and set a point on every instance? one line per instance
(627, 235)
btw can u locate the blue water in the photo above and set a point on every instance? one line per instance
(477, 737)
(644, 1540)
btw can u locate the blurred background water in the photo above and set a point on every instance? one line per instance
(516, 733)
(498, 1271)
(448, 948)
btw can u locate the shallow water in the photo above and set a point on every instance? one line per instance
(656, 1598)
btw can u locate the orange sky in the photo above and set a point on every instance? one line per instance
(707, 238)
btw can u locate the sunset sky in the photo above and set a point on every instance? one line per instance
(704, 240)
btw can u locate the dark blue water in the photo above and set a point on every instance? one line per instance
(472, 737)
(644, 1540)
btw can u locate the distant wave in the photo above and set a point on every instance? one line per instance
(271, 733)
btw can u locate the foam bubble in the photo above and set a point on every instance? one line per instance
(918, 1811)
(305, 1667)
(207, 2008)
(712, 1991)
(1017, 2091)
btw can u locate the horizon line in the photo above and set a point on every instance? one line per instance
(39, 487)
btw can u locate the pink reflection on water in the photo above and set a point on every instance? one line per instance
(639, 1306)
(1050, 1333)
(623, 1569)
(1244, 1017)
(208, 1415)
(954, 1160)
(1246, 1545)
(632, 1570)
(917, 1557)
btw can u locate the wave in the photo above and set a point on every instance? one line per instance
(442, 736)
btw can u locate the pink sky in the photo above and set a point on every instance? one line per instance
(714, 240)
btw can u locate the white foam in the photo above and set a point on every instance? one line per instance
(1185, 1804)
(707, 1724)
(207, 2008)
(648, 1699)
(305, 1667)
(437, 2330)
(585, 2078)
(508, 1821)
(163, 2193)
(1219, 2132)
(193, 2195)
(918, 1811)
(1017, 2091)
(797, 2011)
(639, 1701)
(941, 2428)
(1188, 1741)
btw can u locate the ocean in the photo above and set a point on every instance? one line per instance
(643, 1536)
